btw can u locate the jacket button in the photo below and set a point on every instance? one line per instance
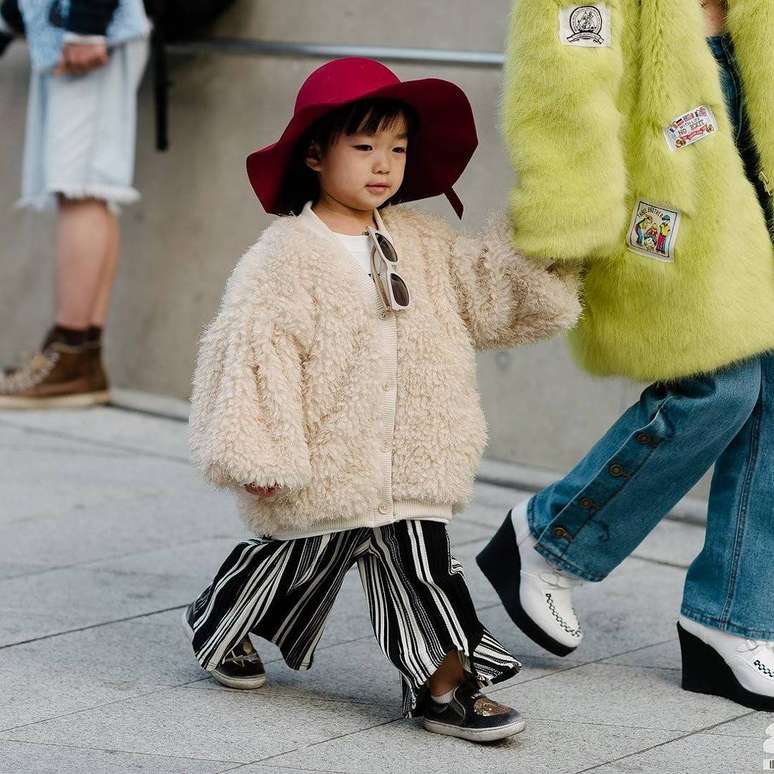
(616, 470)
(645, 439)
(586, 502)
(384, 509)
(386, 386)
(561, 532)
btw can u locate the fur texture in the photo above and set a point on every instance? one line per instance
(585, 129)
(287, 387)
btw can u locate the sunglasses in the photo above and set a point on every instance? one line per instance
(391, 286)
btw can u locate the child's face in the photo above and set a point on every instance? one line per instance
(361, 171)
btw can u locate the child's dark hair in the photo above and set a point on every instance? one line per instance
(301, 184)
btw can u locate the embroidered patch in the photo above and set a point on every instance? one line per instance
(589, 26)
(653, 231)
(691, 127)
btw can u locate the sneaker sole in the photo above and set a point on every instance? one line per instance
(500, 573)
(475, 735)
(79, 400)
(240, 684)
(706, 671)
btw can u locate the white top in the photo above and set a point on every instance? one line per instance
(360, 248)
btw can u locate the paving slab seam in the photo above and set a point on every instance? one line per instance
(289, 768)
(698, 732)
(147, 614)
(144, 694)
(580, 664)
(118, 557)
(642, 666)
(137, 450)
(69, 451)
(148, 413)
(91, 626)
(600, 724)
(119, 750)
(331, 739)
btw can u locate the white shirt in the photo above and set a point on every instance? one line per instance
(360, 248)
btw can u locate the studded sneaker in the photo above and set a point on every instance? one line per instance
(471, 715)
(241, 667)
(536, 595)
(723, 664)
(59, 376)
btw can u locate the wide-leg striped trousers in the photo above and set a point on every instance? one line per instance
(420, 606)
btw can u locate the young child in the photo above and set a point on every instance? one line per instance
(335, 393)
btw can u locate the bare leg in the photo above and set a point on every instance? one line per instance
(107, 277)
(448, 675)
(84, 237)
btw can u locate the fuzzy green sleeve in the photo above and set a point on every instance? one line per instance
(563, 128)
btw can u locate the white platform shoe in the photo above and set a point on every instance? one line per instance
(536, 595)
(723, 664)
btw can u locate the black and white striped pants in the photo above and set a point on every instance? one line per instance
(420, 606)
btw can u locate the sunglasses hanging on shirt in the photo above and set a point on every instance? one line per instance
(392, 288)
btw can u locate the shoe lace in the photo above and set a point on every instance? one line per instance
(560, 580)
(753, 645)
(244, 653)
(31, 373)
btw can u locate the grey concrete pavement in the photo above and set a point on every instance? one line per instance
(106, 532)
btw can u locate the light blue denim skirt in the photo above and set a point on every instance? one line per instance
(81, 132)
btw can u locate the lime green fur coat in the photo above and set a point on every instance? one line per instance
(584, 127)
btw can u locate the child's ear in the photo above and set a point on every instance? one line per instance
(313, 157)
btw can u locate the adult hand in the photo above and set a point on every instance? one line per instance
(81, 58)
(264, 491)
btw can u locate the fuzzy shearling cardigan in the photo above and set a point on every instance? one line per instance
(585, 121)
(290, 381)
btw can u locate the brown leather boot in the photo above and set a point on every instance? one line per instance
(60, 376)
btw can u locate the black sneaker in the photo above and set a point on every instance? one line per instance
(241, 668)
(471, 715)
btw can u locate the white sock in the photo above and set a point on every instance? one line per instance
(443, 698)
(524, 536)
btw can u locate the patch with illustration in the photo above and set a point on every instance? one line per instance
(691, 127)
(653, 231)
(588, 26)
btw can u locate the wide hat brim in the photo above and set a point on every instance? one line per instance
(437, 156)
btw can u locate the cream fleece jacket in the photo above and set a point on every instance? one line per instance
(361, 416)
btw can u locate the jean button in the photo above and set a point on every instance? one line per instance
(616, 470)
(586, 502)
(645, 439)
(560, 532)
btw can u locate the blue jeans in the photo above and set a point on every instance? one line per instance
(592, 519)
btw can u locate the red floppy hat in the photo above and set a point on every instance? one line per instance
(444, 144)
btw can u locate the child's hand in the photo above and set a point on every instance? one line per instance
(80, 58)
(262, 491)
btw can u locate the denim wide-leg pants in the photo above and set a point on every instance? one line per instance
(592, 519)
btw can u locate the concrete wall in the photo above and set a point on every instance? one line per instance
(198, 213)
